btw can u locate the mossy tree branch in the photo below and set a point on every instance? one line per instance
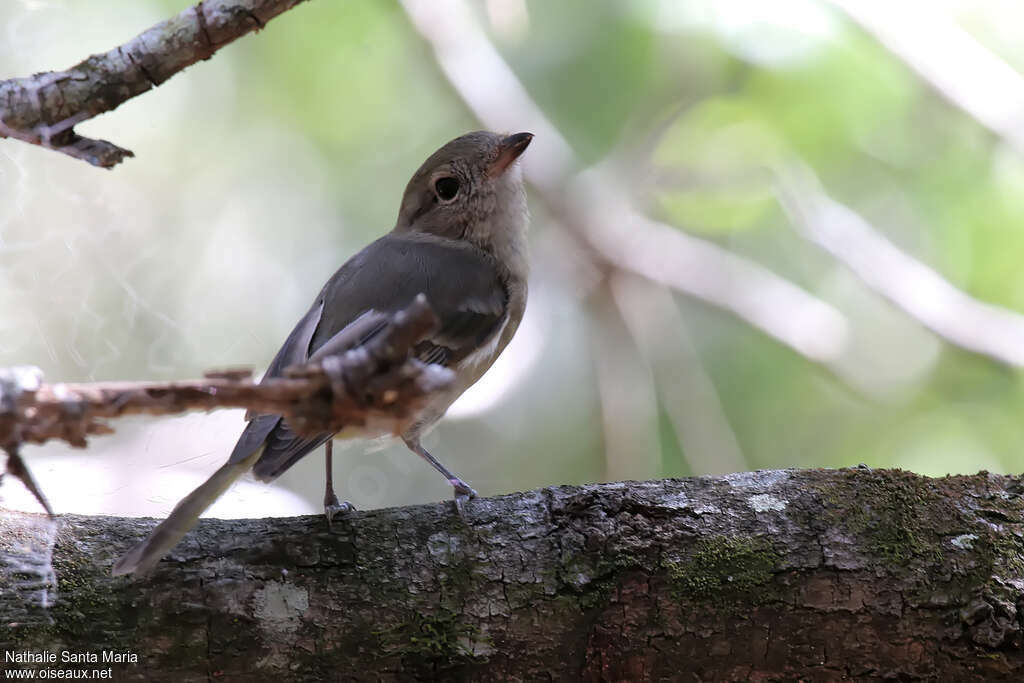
(782, 575)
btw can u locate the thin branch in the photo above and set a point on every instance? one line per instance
(377, 380)
(913, 286)
(43, 109)
(600, 216)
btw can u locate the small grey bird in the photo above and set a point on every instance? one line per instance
(460, 240)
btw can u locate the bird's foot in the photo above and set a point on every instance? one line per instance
(332, 507)
(463, 493)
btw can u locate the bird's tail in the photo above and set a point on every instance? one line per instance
(166, 535)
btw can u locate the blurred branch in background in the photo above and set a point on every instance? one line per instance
(916, 288)
(629, 406)
(688, 395)
(44, 109)
(971, 76)
(632, 242)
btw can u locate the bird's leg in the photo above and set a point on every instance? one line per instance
(331, 504)
(463, 491)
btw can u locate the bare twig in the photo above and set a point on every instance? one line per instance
(913, 286)
(43, 109)
(601, 217)
(375, 380)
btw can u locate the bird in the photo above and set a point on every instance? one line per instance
(460, 240)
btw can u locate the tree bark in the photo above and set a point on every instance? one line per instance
(776, 575)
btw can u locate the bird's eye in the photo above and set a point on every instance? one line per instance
(447, 188)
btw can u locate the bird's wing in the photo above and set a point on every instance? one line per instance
(462, 286)
(461, 283)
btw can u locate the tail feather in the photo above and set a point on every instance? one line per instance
(282, 448)
(146, 554)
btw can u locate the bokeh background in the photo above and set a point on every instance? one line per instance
(783, 234)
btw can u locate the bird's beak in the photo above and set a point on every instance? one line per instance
(508, 151)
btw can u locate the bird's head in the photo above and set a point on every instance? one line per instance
(471, 189)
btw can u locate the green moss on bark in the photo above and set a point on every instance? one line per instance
(725, 569)
(429, 638)
(892, 511)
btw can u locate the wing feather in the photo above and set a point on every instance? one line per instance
(462, 285)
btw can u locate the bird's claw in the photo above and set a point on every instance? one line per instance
(463, 494)
(332, 507)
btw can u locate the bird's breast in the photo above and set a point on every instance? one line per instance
(473, 366)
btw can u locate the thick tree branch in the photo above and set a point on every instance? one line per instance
(786, 575)
(44, 109)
